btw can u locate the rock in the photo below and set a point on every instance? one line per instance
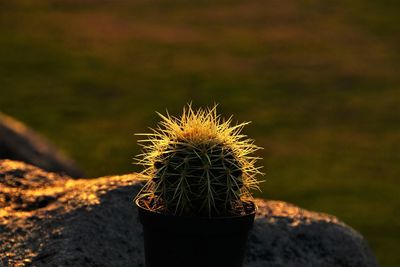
(286, 235)
(52, 220)
(18, 142)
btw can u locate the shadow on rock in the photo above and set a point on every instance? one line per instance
(18, 142)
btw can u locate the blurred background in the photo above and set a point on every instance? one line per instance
(318, 79)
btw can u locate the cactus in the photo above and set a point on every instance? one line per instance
(199, 165)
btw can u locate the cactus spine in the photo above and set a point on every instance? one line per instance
(199, 165)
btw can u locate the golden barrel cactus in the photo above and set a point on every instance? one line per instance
(198, 165)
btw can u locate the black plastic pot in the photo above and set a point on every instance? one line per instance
(194, 241)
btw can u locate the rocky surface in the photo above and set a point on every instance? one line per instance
(52, 220)
(18, 142)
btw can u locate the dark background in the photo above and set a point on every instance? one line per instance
(318, 79)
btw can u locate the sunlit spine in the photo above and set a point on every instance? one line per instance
(198, 164)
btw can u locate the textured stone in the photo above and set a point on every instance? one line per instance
(286, 235)
(52, 220)
(18, 142)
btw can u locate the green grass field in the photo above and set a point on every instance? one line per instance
(319, 80)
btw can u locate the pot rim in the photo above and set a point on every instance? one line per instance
(140, 197)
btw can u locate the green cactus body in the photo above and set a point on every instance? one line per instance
(199, 166)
